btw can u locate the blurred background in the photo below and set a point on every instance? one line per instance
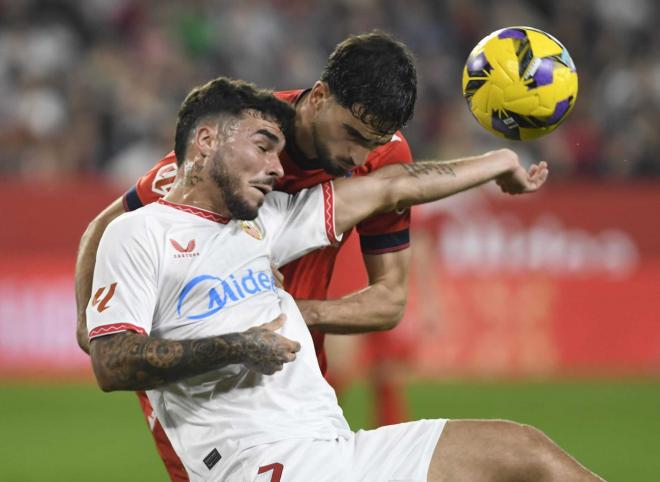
(543, 309)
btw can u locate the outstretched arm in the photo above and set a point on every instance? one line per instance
(128, 361)
(402, 185)
(380, 305)
(89, 244)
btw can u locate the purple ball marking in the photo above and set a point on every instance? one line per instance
(512, 33)
(543, 75)
(560, 110)
(499, 125)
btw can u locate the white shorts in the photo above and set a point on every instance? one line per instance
(400, 453)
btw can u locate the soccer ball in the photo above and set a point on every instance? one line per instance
(520, 83)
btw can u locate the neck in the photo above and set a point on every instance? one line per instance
(196, 190)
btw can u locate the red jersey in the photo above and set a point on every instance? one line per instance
(309, 276)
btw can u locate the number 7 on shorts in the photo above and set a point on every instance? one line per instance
(277, 469)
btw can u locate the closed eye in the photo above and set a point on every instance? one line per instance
(265, 140)
(356, 136)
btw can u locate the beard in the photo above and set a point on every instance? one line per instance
(229, 185)
(323, 156)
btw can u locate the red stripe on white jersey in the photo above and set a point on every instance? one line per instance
(329, 211)
(202, 213)
(116, 328)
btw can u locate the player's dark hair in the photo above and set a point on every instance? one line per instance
(374, 76)
(227, 96)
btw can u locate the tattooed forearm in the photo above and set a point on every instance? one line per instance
(128, 361)
(424, 168)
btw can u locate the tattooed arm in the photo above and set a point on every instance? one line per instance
(402, 185)
(128, 361)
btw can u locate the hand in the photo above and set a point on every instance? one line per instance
(266, 351)
(519, 181)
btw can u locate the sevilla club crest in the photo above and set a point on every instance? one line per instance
(252, 229)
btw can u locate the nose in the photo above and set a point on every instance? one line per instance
(274, 167)
(359, 155)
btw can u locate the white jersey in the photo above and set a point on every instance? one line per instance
(177, 272)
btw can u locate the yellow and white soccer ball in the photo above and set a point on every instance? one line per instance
(520, 83)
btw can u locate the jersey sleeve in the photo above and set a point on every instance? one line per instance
(302, 223)
(124, 286)
(153, 185)
(388, 232)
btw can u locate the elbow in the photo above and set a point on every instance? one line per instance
(106, 378)
(392, 321)
(109, 380)
(387, 325)
(390, 296)
(105, 383)
(392, 313)
(105, 387)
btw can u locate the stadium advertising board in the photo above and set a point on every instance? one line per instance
(563, 282)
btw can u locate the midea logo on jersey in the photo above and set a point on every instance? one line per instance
(223, 292)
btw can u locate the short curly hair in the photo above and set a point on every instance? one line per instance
(227, 96)
(374, 76)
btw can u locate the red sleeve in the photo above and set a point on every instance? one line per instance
(387, 232)
(153, 185)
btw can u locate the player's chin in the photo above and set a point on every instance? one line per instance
(252, 211)
(246, 210)
(247, 215)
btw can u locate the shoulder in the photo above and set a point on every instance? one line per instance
(139, 224)
(280, 203)
(276, 201)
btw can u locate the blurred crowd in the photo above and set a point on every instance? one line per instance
(93, 87)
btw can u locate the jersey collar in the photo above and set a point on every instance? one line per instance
(202, 213)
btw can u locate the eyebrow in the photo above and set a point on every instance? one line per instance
(358, 135)
(268, 134)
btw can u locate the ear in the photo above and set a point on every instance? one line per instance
(205, 138)
(319, 95)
